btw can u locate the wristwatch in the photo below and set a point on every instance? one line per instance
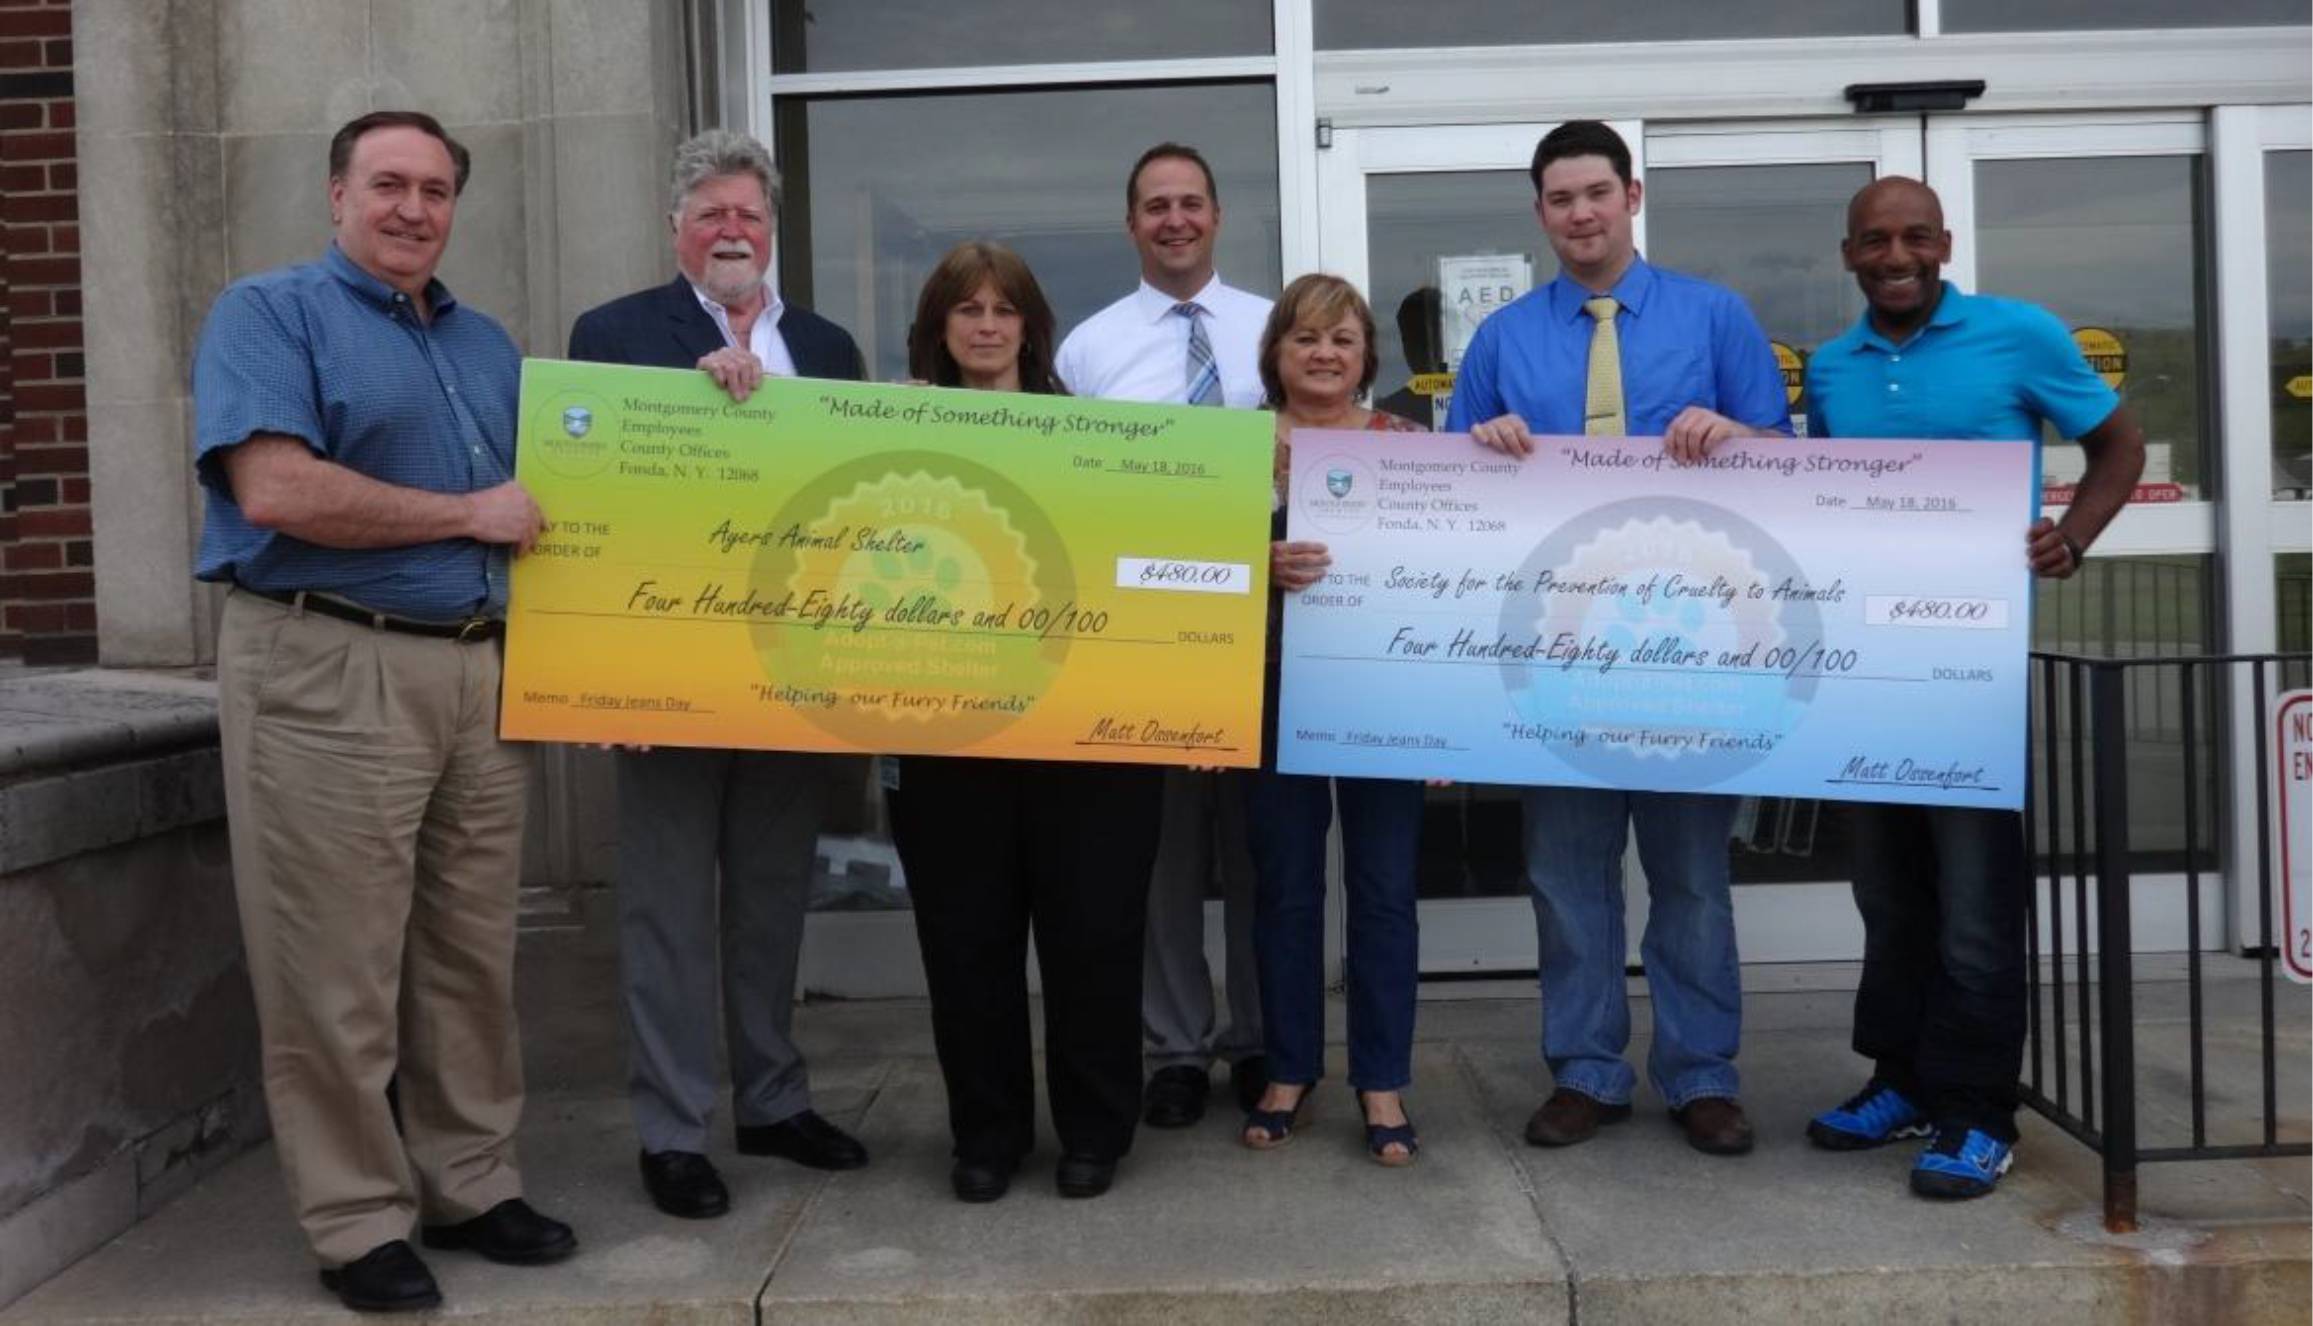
(2072, 546)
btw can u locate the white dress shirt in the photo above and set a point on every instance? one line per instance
(763, 339)
(1137, 349)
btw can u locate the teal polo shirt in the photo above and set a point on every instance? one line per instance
(1982, 368)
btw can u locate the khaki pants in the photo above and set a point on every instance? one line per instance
(376, 823)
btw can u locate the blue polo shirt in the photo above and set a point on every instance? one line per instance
(1983, 368)
(1684, 341)
(326, 353)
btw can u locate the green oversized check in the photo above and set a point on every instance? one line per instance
(841, 566)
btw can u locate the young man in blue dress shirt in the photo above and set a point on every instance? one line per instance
(1941, 1010)
(1617, 347)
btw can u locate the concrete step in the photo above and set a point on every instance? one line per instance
(1632, 1227)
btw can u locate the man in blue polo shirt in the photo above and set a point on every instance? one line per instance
(355, 443)
(1616, 347)
(1941, 1010)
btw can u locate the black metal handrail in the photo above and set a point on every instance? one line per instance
(2081, 724)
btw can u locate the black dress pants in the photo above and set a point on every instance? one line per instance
(995, 850)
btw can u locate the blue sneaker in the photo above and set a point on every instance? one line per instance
(1874, 1116)
(1961, 1163)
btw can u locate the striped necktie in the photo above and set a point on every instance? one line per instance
(1204, 379)
(1602, 414)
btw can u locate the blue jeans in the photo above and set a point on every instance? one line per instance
(1942, 1011)
(1288, 815)
(1574, 840)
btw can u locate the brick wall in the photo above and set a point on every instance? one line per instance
(47, 590)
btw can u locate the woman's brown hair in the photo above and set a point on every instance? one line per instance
(958, 276)
(1318, 300)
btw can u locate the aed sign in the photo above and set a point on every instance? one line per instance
(1471, 287)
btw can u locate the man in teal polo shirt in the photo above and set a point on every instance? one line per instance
(1941, 1011)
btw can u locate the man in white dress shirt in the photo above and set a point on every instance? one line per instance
(1185, 338)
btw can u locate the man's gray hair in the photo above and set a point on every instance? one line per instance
(718, 152)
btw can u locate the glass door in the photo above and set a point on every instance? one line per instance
(1396, 204)
(1437, 226)
(2106, 221)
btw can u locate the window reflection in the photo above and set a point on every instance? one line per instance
(2289, 313)
(880, 187)
(1411, 222)
(2140, 607)
(2113, 245)
(1769, 233)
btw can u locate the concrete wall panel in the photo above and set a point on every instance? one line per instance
(131, 91)
(603, 57)
(606, 251)
(457, 60)
(484, 264)
(127, 197)
(291, 66)
(138, 477)
(276, 200)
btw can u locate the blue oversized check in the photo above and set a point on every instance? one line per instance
(1837, 619)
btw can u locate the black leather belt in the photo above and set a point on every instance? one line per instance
(472, 630)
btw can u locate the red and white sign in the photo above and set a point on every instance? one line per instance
(2292, 775)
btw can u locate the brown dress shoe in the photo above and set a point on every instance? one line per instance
(1715, 1124)
(1569, 1117)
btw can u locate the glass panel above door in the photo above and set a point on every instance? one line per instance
(1384, 24)
(823, 36)
(2075, 16)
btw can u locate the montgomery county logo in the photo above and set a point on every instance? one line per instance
(1325, 498)
(574, 433)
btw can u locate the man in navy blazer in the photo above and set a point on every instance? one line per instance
(716, 847)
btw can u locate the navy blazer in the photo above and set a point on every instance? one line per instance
(664, 327)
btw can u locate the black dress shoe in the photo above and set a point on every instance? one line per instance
(1175, 1097)
(981, 1180)
(1084, 1176)
(510, 1232)
(684, 1183)
(388, 1278)
(1248, 1078)
(805, 1139)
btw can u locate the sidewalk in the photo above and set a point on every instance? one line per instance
(1632, 1227)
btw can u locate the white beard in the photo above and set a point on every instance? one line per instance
(730, 280)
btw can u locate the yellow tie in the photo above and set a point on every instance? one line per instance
(1602, 402)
